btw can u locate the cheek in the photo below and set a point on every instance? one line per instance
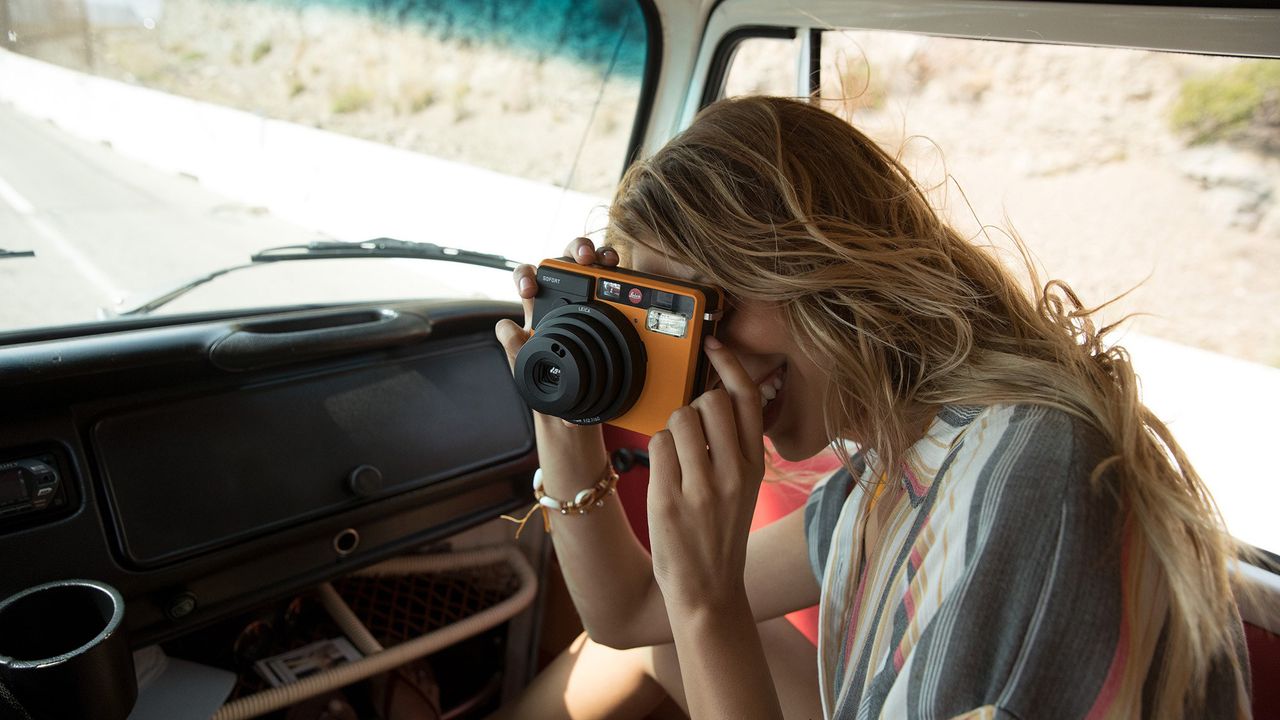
(811, 428)
(804, 434)
(755, 334)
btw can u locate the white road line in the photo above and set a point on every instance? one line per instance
(78, 260)
(15, 199)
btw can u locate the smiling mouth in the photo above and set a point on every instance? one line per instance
(771, 385)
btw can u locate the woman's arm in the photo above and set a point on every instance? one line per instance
(722, 665)
(606, 569)
(610, 576)
(705, 472)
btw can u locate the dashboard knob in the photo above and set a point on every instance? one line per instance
(365, 481)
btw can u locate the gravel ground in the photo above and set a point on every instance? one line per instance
(390, 84)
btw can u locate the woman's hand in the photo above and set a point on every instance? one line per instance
(705, 472)
(512, 336)
(572, 456)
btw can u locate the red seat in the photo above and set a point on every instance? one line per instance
(1264, 665)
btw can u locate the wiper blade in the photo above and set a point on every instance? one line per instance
(16, 253)
(382, 247)
(330, 250)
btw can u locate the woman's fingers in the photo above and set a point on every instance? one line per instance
(664, 466)
(582, 250)
(585, 252)
(608, 256)
(716, 408)
(512, 337)
(685, 425)
(525, 279)
(746, 399)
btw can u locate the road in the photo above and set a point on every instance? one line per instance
(104, 227)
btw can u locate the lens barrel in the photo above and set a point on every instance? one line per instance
(584, 363)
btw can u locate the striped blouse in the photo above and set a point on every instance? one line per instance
(991, 581)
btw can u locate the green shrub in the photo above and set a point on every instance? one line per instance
(261, 50)
(1221, 105)
(351, 99)
(422, 101)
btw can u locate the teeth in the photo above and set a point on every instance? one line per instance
(769, 389)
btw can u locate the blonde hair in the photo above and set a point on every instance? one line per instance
(782, 202)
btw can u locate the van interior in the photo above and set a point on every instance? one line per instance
(298, 486)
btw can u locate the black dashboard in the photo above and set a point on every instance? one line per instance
(204, 464)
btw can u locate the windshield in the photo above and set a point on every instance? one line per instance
(145, 143)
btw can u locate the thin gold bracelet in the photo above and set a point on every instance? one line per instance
(581, 504)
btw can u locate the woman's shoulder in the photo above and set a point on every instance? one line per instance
(1026, 470)
(1027, 442)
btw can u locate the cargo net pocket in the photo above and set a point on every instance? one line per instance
(395, 608)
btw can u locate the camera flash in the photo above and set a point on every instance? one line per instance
(667, 322)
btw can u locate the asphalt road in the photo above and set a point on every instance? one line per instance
(104, 227)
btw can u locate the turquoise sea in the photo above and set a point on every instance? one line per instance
(601, 33)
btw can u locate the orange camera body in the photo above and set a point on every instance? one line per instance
(614, 345)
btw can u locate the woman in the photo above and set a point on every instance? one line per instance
(1016, 535)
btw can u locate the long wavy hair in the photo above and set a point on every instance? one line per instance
(780, 201)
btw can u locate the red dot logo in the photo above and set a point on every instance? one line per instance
(635, 296)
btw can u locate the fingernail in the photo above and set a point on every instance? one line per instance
(582, 251)
(712, 343)
(525, 284)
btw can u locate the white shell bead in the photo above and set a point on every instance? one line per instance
(537, 479)
(582, 497)
(549, 502)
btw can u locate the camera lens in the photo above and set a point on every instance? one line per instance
(546, 376)
(584, 363)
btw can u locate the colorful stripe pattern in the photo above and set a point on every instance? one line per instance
(990, 580)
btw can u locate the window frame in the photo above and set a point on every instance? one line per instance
(1239, 28)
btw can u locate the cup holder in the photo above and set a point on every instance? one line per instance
(63, 651)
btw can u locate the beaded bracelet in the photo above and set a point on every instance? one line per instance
(582, 502)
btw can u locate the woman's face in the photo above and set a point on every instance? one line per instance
(756, 332)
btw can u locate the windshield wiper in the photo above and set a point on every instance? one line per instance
(16, 253)
(381, 247)
(331, 250)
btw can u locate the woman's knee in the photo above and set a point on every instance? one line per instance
(650, 660)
